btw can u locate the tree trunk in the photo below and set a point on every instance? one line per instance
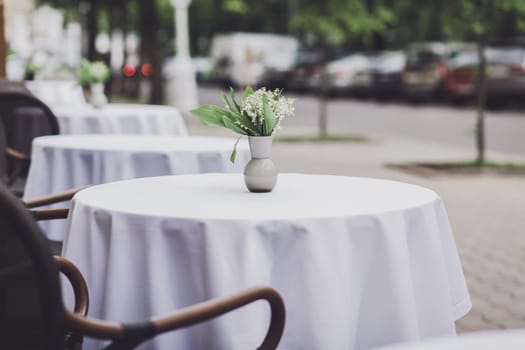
(118, 15)
(150, 50)
(92, 30)
(324, 87)
(3, 50)
(293, 9)
(480, 105)
(323, 97)
(436, 21)
(509, 28)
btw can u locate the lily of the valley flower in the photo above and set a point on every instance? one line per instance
(259, 113)
(93, 72)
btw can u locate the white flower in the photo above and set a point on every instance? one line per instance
(280, 106)
(92, 72)
(99, 71)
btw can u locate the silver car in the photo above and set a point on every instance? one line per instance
(351, 75)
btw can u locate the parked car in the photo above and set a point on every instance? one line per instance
(505, 74)
(243, 58)
(426, 68)
(304, 76)
(351, 75)
(388, 70)
(300, 77)
(461, 78)
(202, 66)
(134, 75)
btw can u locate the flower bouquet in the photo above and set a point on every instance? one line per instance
(258, 114)
(92, 72)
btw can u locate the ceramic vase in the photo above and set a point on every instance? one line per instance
(98, 99)
(260, 174)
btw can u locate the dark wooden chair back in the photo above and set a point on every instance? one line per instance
(31, 310)
(24, 117)
(3, 154)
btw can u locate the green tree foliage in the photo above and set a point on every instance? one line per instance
(484, 19)
(235, 15)
(338, 21)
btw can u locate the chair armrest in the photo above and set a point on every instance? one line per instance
(54, 198)
(50, 214)
(73, 340)
(16, 154)
(208, 310)
(22, 160)
(128, 336)
(78, 283)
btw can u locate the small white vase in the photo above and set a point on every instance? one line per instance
(98, 99)
(260, 174)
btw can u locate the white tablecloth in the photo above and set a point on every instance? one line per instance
(57, 92)
(63, 162)
(359, 262)
(120, 119)
(509, 339)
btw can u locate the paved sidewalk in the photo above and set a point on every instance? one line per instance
(486, 211)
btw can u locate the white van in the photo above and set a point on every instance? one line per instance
(241, 59)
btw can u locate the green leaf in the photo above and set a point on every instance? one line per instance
(225, 99)
(210, 115)
(234, 151)
(247, 92)
(241, 117)
(269, 117)
(228, 123)
(252, 129)
(232, 96)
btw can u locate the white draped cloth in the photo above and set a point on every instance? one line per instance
(76, 116)
(57, 92)
(63, 162)
(508, 339)
(359, 262)
(120, 119)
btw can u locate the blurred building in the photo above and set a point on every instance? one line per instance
(39, 40)
(15, 9)
(18, 15)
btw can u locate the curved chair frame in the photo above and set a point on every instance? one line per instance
(13, 94)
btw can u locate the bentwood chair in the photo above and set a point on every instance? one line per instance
(34, 202)
(32, 315)
(24, 117)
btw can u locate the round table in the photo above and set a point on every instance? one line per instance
(359, 262)
(62, 162)
(121, 119)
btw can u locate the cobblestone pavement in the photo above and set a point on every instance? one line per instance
(486, 211)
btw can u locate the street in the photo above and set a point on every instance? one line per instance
(450, 125)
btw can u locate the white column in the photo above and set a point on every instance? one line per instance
(73, 44)
(181, 90)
